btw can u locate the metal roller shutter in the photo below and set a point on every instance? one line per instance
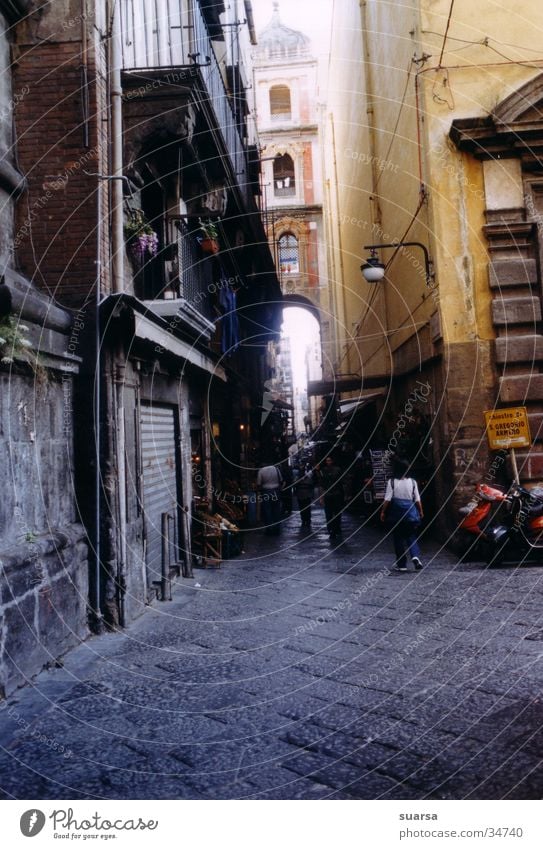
(160, 477)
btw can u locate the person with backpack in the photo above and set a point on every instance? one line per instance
(402, 512)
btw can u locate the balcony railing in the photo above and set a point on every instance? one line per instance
(172, 34)
(195, 272)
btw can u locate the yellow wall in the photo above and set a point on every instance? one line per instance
(378, 173)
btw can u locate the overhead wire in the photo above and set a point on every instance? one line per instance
(446, 33)
(395, 130)
(483, 41)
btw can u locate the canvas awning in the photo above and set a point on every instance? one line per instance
(353, 405)
(352, 383)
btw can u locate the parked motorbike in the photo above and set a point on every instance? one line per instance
(507, 524)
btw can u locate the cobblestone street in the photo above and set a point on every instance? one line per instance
(299, 670)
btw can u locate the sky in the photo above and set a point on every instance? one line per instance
(311, 17)
(302, 328)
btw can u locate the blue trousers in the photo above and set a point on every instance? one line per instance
(405, 536)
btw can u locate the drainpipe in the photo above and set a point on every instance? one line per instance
(375, 206)
(345, 330)
(115, 64)
(117, 249)
(97, 600)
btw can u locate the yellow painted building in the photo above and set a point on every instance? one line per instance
(434, 137)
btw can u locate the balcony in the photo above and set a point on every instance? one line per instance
(181, 288)
(173, 37)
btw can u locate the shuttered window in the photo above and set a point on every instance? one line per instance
(280, 108)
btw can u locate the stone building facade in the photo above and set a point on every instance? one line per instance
(436, 145)
(43, 544)
(153, 288)
(288, 110)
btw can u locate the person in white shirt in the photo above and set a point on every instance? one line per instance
(402, 508)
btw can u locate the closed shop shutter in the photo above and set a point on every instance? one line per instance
(160, 494)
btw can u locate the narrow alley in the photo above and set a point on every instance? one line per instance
(299, 670)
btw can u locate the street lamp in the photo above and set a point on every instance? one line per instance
(374, 270)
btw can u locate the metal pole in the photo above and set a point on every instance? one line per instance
(514, 465)
(165, 566)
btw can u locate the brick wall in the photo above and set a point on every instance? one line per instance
(57, 141)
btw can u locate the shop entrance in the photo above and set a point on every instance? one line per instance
(161, 489)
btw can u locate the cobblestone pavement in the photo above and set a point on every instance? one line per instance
(300, 670)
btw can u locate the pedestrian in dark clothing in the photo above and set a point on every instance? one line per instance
(286, 492)
(305, 489)
(330, 479)
(269, 481)
(402, 510)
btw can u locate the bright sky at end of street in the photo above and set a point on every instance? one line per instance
(311, 17)
(303, 331)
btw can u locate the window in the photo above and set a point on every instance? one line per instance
(284, 184)
(280, 108)
(289, 255)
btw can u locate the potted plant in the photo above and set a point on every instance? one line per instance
(209, 241)
(139, 234)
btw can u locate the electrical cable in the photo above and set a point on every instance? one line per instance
(361, 321)
(395, 130)
(482, 41)
(446, 33)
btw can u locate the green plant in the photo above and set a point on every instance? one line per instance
(209, 229)
(14, 345)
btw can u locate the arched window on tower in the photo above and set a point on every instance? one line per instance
(280, 107)
(289, 254)
(284, 183)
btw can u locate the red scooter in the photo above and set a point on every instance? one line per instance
(508, 525)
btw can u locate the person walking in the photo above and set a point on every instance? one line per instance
(286, 492)
(330, 479)
(304, 489)
(269, 481)
(402, 511)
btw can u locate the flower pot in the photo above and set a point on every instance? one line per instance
(209, 246)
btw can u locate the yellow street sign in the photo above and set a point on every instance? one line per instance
(508, 428)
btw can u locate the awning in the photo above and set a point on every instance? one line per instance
(282, 405)
(353, 405)
(166, 341)
(346, 384)
(151, 327)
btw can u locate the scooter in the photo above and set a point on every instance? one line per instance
(508, 525)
